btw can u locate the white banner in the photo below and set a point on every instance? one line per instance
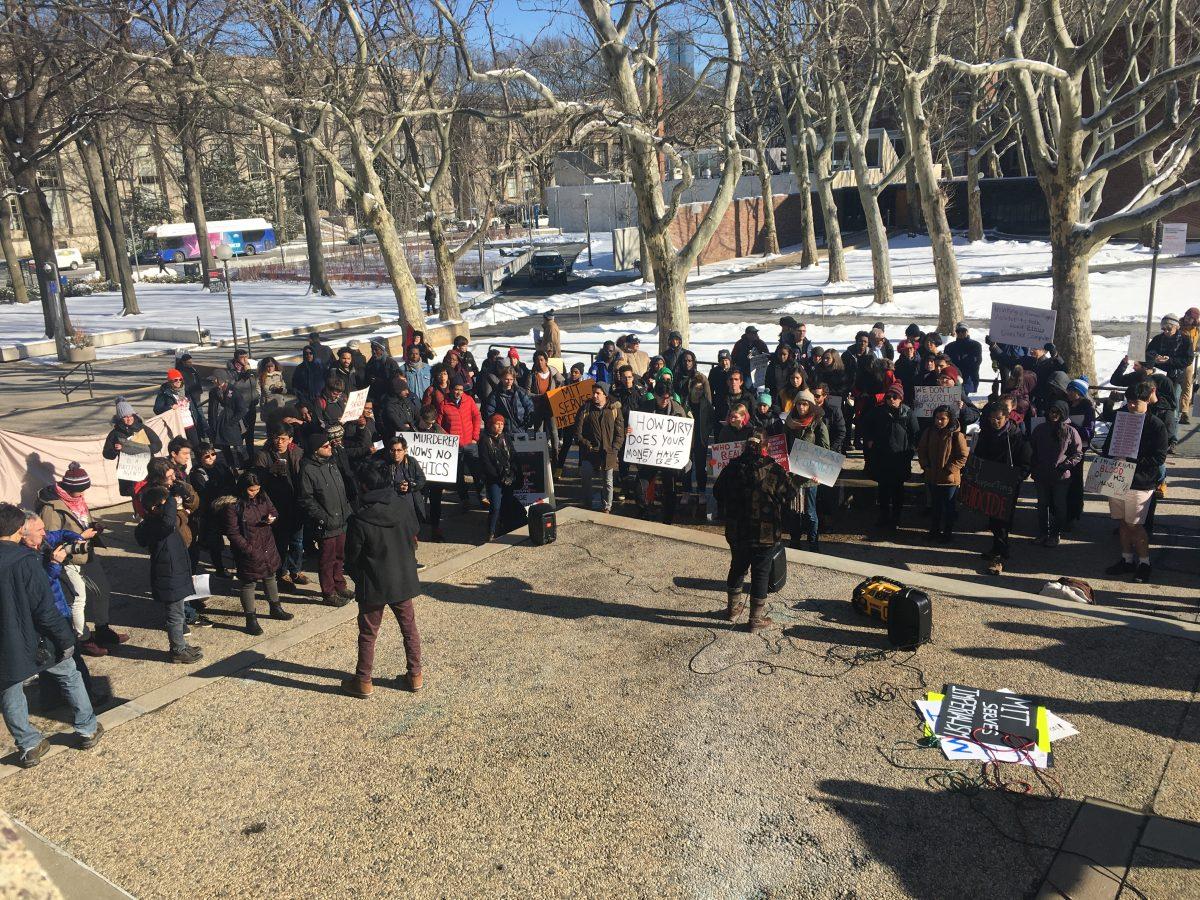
(1126, 435)
(812, 461)
(1109, 477)
(664, 442)
(131, 466)
(436, 454)
(355, 403)
(1022, 326)
(928, 397)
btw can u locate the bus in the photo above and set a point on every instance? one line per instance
(176, 242)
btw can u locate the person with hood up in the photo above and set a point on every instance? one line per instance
(967, 356)
(308, 378)
(1057, 449)
(226, 419)
(381, 555)
(324, 500)
(498, 469)
(805, 422)
(249, 525)
(174, 395)
(942, 453)
(890, 437)
(718, 383)
(512, 402)
(170, 567)
(1001, 441)
(674, 350)
(129, 434)
(1083, 419)
(381, 368)
(1189, 327)
(600, 431)
(398, 411)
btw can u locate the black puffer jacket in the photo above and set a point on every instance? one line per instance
(27, 611)
(170, 566)
(323, 495)
(380, 550)
(890, 439)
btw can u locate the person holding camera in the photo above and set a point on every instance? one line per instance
(324, 499)
(248, 525)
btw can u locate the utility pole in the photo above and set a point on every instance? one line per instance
(1157, 246)
(587, 224)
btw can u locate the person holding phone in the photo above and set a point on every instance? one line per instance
(248, 525)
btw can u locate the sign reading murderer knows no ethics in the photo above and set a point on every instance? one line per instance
(664, 442)
(1022, 326)
(436, 454)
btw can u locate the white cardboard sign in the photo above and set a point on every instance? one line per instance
(131, 466)
(355, 403)
(1126, 435)
(812, 461)
(722, 454)
(1174, 237)
(436, 454)
(1137, 344)
(657, 440)
(1022, 326)
(1109, 477)
(928, 397)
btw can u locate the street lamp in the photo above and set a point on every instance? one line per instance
(587, 224)
(225, 254)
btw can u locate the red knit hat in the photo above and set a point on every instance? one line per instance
(895, 390)
(172, 374)
(75, 479)
(513, 354)
(493, 417)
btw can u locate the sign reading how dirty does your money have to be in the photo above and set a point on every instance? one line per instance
(657, 440)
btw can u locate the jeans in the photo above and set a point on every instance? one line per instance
(756, 558)
(586, 473)
(174, 615)
(330, 566)
(468, 458)
(246, 588)
(1051, 506)
(891, 499)
(16, 708)
(370, 618)
(289, 540)
(496, 493)
(1173, 418)
(810, 513)
(943, 506)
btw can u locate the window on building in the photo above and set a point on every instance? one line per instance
(872, 150)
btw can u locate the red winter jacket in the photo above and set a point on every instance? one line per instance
(463, 420)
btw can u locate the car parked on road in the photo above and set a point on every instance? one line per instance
(363, 236)
(547, 266)
(68, 257)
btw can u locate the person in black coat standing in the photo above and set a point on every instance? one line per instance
(226, 419)
(248, 525)
(277, 465)
(170, 566)
(381, 555)
(967, 356)
(889, 441)
(324, 500)
(28, 613)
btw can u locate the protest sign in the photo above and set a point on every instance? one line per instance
(535, 481)
(1137, 344)
(1126, 435)
(989, 487)
(929, 397)
(721, 455)
(1174, 238)
(1022, 326)
(185, 416)
(132, 465)
(200, 588)
(657, 440)
(994, 718)
(815, 462)
(566, 400)
(355, 403)
(1109, 477)
(962, 748)
(777, 449)
(436, 454)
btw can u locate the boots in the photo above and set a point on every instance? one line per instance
(413, 681)
(759, 620)
(252, 626)
(356, 687)
(734, 605)
(995, 565)
(278, 612)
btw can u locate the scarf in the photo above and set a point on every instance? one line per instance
(76, 504)
(805, 422)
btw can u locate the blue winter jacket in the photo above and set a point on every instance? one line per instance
(55, 539)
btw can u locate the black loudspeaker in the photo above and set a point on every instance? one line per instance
(543, 526)
(909, 619)
(778, 569)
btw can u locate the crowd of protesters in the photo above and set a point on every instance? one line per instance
(348, 493)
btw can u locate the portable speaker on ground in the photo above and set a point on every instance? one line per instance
(778, 569)
(543, 526)
(910, 619)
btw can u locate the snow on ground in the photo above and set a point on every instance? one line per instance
(911, 264)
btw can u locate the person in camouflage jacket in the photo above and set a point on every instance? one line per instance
(752, 492)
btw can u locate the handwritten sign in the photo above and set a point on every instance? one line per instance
(436, 454)
(1126, 437)
(131, 465)
(1022, 326)
(777, 449)
(722, 454)
(1174, 238)
(566, 401)
(987, 717)
(989, 487)
(929, 397)
(1110, 477)
(816, 462)
(657, 440)
(356, 401)
(1137, 344)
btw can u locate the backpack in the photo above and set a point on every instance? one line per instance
(1074, 589)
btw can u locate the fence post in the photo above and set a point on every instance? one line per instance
(246, 326)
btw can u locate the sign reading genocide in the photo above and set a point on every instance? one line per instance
(1109, 477)
(566, 400)
(1022, 326)
(778, 451)
(989, 487)
(816, 462)
(1126, 437)
(657, 440)
(988, 717)
(929, 397)
(132, 465)
(355, 403)
(436, 454)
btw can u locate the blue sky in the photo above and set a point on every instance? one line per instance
(526, 19)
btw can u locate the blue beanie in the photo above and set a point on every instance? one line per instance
(1079, 385)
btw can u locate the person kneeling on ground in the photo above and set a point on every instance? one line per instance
(753, 491)
(1131, 510)
(170, 567)
(380, 554)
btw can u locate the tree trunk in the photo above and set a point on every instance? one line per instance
(116, 227)
(311, 209)
(16, 278)
(195, 197)
(90, 157)
(933, 204)
(829, 214)
(881, 264)
(39, 229)
(913, 194)
(1069, 258)
(974, 206)
(659, 256)
(443, 259)
(802, 169)
(770, 235)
